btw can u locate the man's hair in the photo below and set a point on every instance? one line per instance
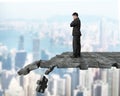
(75, 14)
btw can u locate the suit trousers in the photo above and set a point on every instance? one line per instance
(76, 46)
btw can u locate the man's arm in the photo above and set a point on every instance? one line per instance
(73, 23)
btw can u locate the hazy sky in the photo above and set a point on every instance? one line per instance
(44, 9)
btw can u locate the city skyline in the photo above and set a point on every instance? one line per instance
(31, 30)
(81, 83)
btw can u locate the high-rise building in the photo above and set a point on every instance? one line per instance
(5, 57)
(80, 94)
(61, 87)
(99, 88)
(0, 66)
(20, 58)
(21, 43)
(67, 85)
(52, 84)
(101, 37)
(119, 82)
(56, 85)
(30, 84)
(6, 77)
(7, 62)
(103, 75)
(75, 75)
(21, 54)
(1, 90)
(14, 88)
(44, 55)
(36, 49)
(86, 79)
(97, 75)
(80, 91)
(1, 93)
(115, 82)
(21, 79)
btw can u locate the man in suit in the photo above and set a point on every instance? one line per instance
(76, 33)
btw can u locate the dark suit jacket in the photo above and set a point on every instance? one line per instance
(76, 24)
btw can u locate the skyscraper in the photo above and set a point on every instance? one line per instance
(21, 43)
(14, 88)
(67, 85)
(75, 75)
(80, 91)
(102, 32)
(52, 84)
(103, 75)
(79, 94)
(20, 58)
(99, 88)
(36, 49)
(5, 57)
(44, 55)
(61, 87)
(56, 85)
(6, 77)
(115, 82)
(7, 63)
(119, 82)
(21, 54)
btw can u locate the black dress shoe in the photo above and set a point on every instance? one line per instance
(74, 56)
(79, 56)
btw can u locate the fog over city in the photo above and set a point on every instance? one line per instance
(35, 30)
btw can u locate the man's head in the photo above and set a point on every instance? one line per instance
(75, 15)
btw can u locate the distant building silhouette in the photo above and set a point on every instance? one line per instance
(21, 43)
(79, 94)
(5, 57)
(80, 91)
(16, 90)
(7, 63)
(21, 54)
(44, 55)
(99, 88)
(67, 85)
(36, 49)
(20, 58)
